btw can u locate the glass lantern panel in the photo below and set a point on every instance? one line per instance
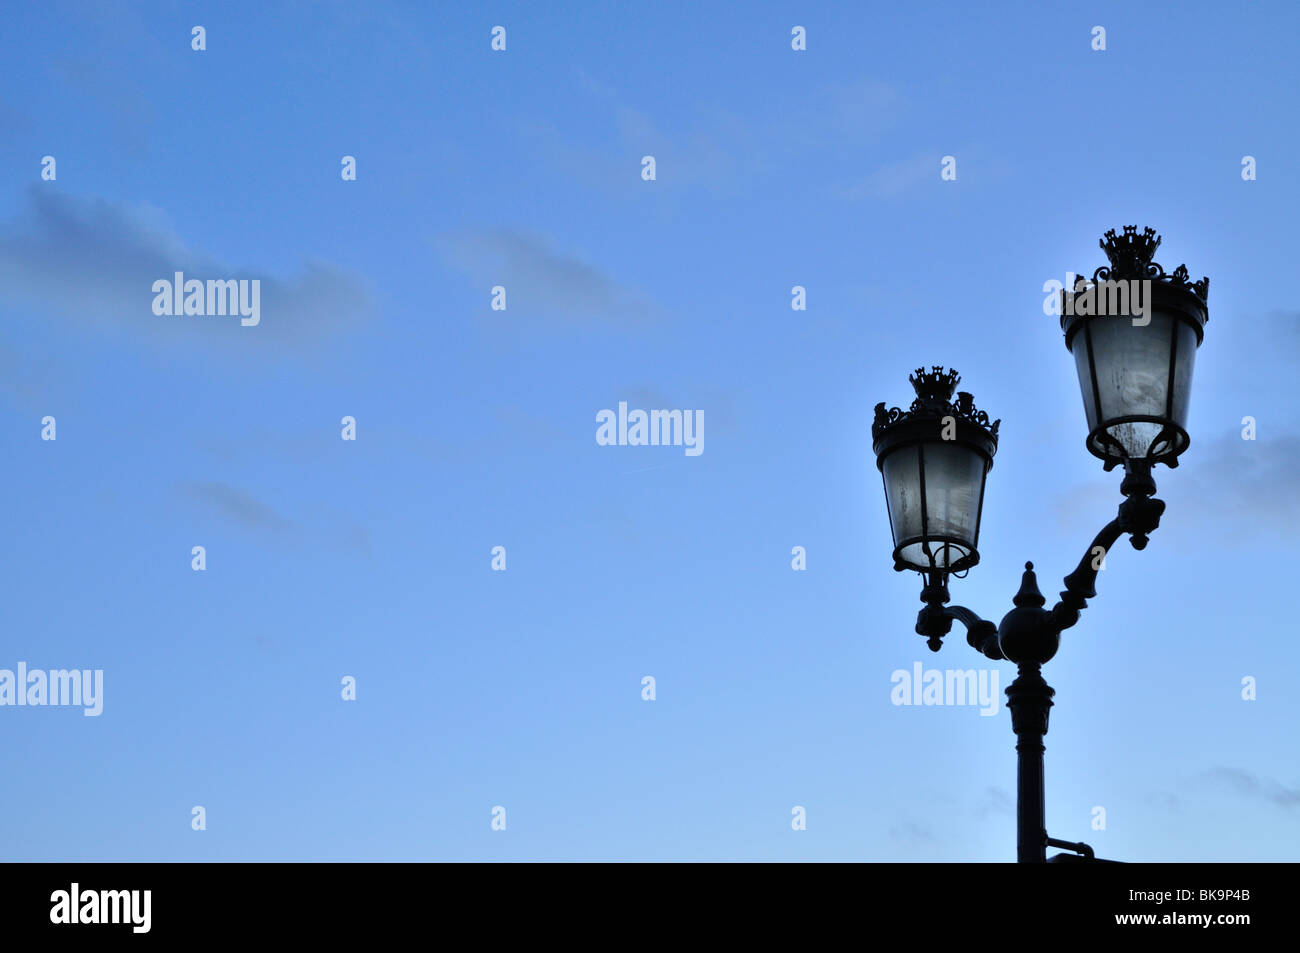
(954, 479)
(902, 474)
(1131, 364)
(1184, 362)
(953, 487)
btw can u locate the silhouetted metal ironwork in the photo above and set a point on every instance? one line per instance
(934, 458)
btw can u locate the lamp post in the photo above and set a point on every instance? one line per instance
(1133, 331)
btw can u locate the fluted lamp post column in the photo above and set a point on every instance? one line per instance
(1133, 331)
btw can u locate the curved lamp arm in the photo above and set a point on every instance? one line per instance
(1138, 516)
(1081, 585)
(935, 620)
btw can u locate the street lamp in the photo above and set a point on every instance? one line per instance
(934, 458)
(1136, 374)
(1133, 331)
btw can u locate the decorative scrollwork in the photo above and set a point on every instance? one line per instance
(934, 400)
(886, 417)
(1130, 258)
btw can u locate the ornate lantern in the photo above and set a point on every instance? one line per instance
(934, 458)
(1134, 331)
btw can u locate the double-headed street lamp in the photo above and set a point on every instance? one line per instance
(1133, 331)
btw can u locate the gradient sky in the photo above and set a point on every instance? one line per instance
(476, 427)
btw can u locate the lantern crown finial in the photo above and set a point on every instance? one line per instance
(934, 401)
(1130, 254)
(1131, 258)
(935, 384)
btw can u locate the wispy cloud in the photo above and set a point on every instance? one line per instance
(327, 526)
(1253, 787)
(910, 832)
(994, 801)
(539, 278)
(95, 259)
(725, 149)
(238, 505)
(1165, 801)
(1241, 489)
(894, 179)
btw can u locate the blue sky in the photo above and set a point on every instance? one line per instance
(476, 428)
